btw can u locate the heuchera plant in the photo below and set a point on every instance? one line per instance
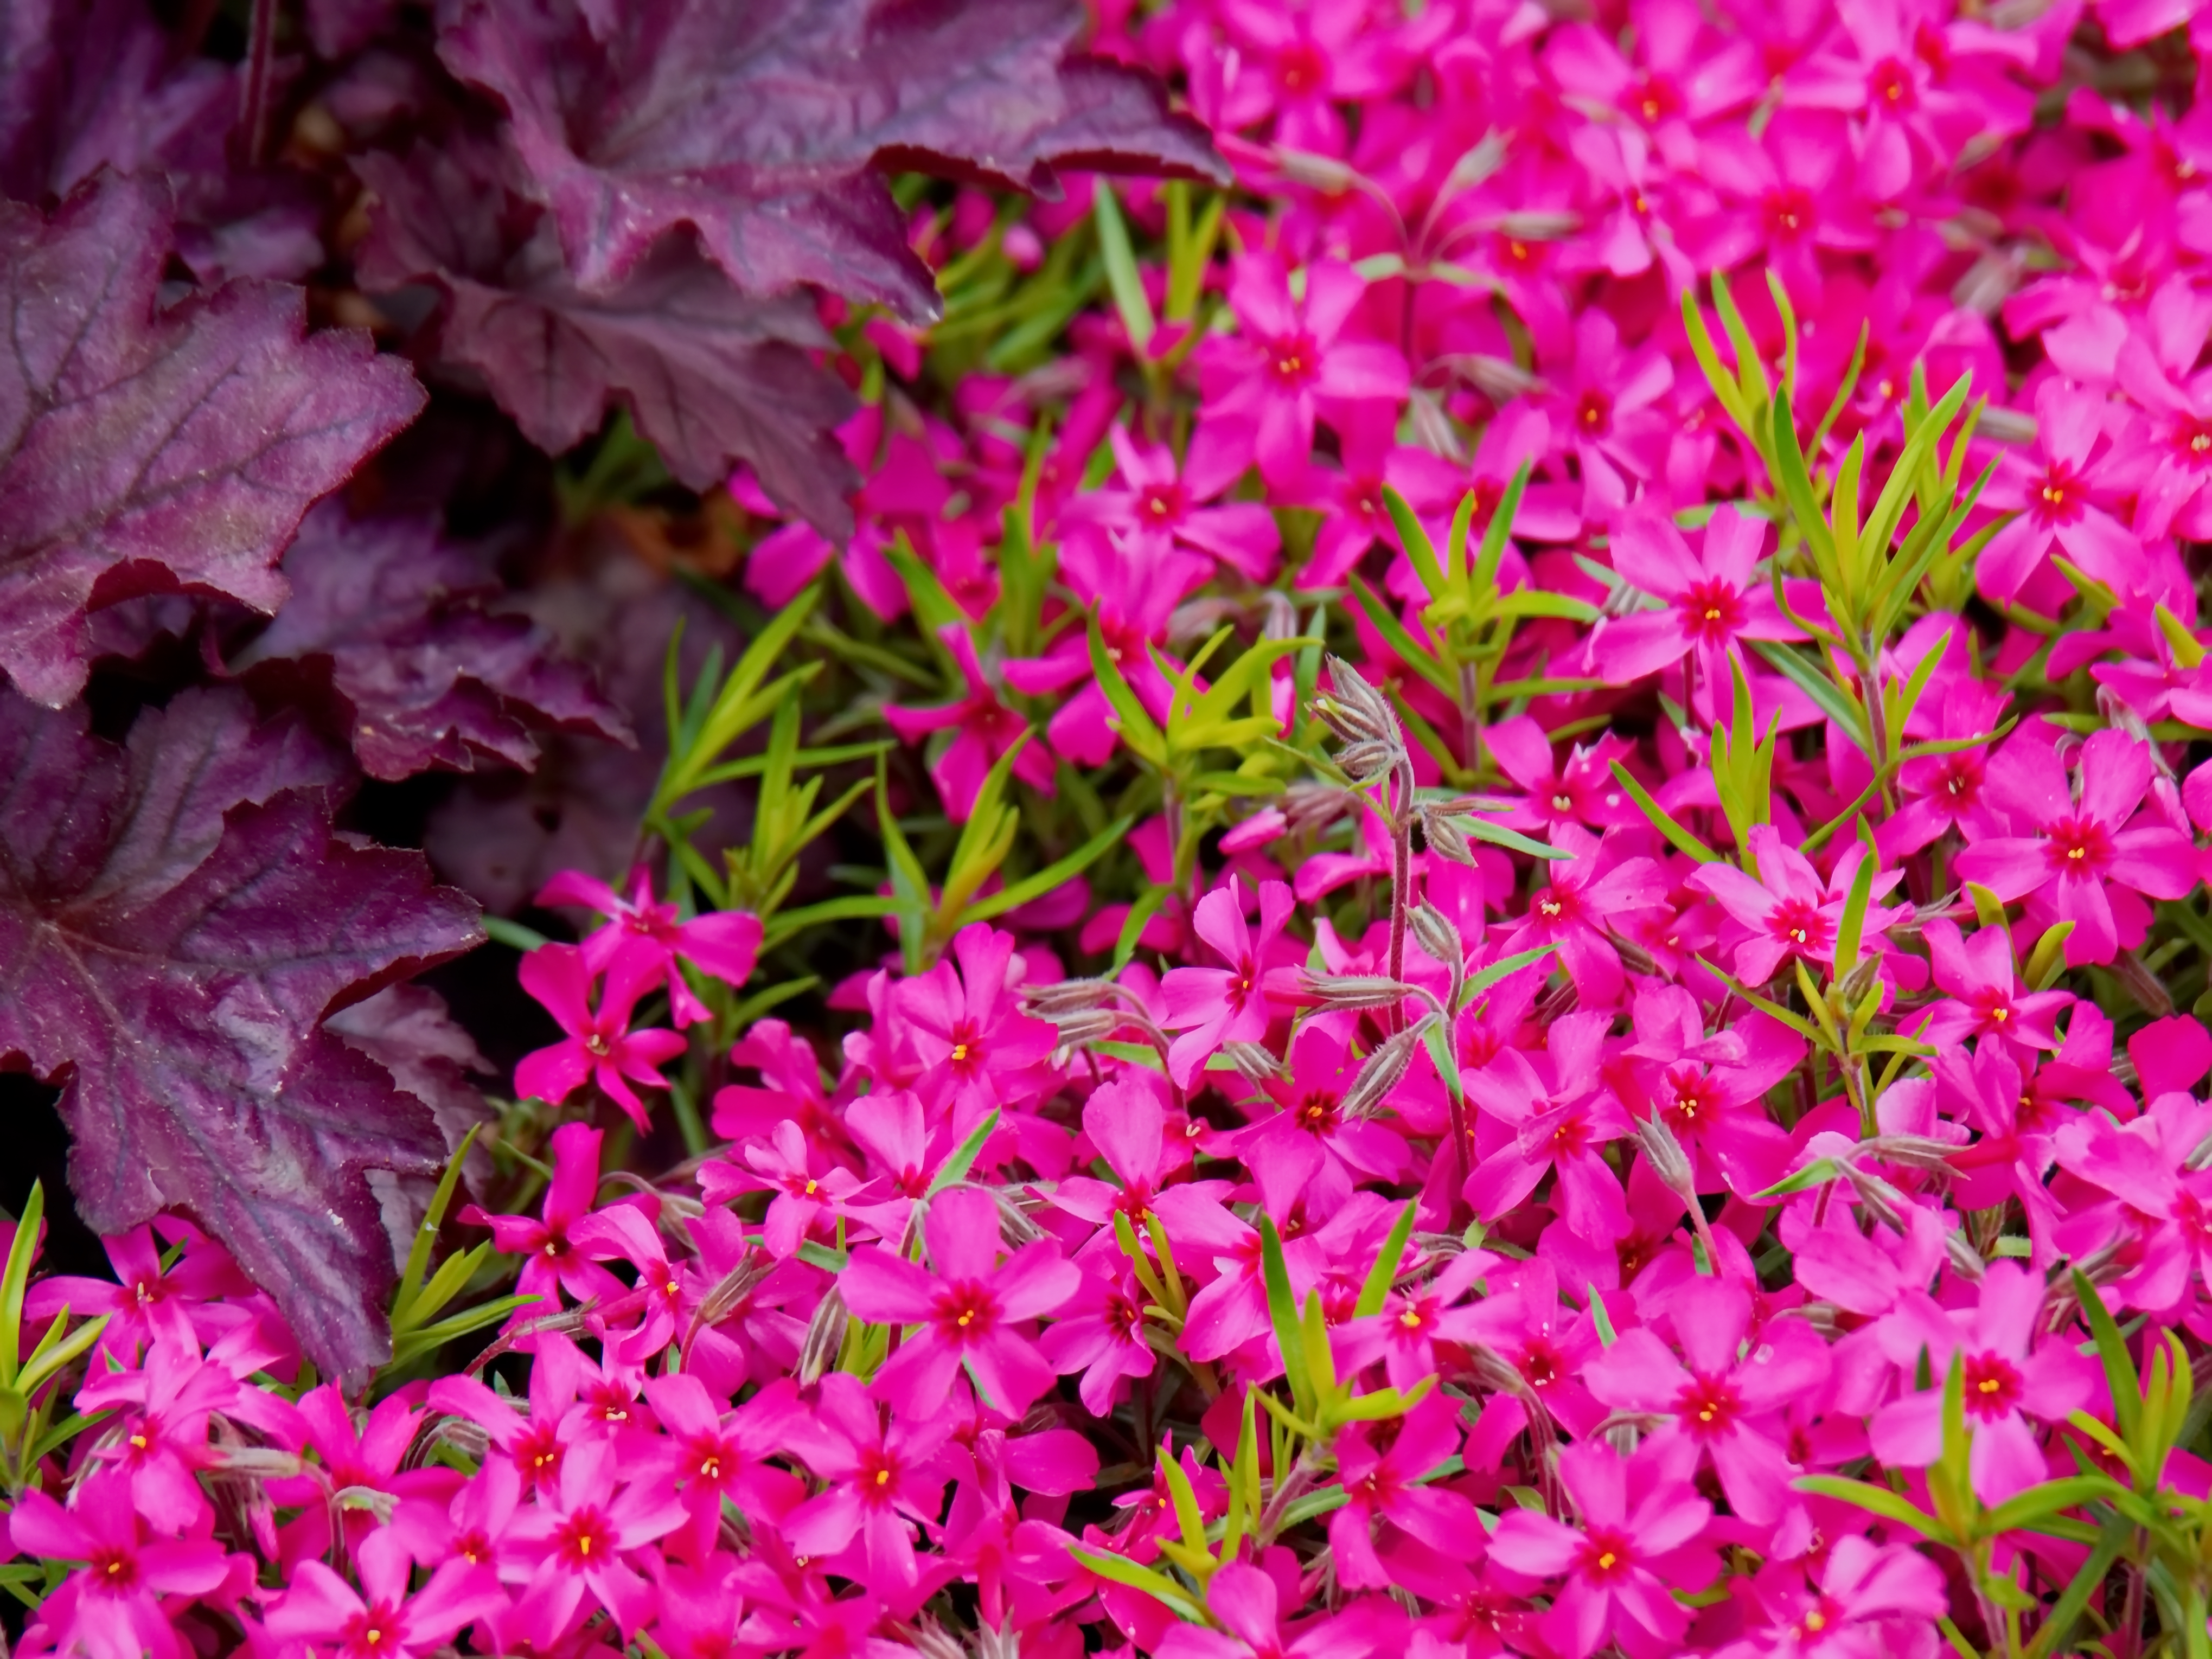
(1261, 830)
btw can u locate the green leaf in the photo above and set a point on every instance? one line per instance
(1497, 834)
(1159, 1586)
(1853, 925)
(1054, 875)
(2059, 1624)
(1282, 1315)
(855, 907)
(1410, 651)
(963, 1157)
(1415, 540)
(1384, 1273)
(2039, 1502)
(1505, 968)
(1662, 819)
(2120, 1377)
(1601, 1319)
(404, 1304)
(15, 1282)
(413, 1346)
(513, 934)
(1824, 692)
(1143, 910)
(1819, 1173)
(1875, 1500)
(1134, 726)
(1122, 277)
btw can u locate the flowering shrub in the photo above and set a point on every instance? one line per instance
(1408, 865)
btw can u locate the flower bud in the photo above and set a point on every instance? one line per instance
(1443, 836)
(824, 1339)
(1877, 1197)
(1500, 379)
(1966, 1261)
(1322, 172)
(256, 1462)
(1367, 760)
(1254, 1063)
(1356, 990)
(1082, 1028)
(1382, 1071)
(1433, 932)
(1538, 226)
(1068, 996)
(1663, 1151)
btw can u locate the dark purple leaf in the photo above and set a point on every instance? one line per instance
(177, 917)
(711, 376)
(384, 613)
(757, 124)
(406, 1030)
(144, 452)
(91, 83)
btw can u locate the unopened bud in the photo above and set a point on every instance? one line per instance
(1635, 958)
(1067, 996)
(1484, 158)
(2006, 426)
(255, 1462)
(1663, 1151)
(1366, 712)
(368, 1500)
(1382, 1071)
(1356, 990)
(1825, 1318)
(1913, 1152)
(1082, 1028)
(1966, 1261)
(1538, 226)
(1495, 1372)
(1499, 379)
(824, 1339)
(1877, 1197)
(1254, 1063)
(1367, 760)
(1433, 932)
(1444, 837)
(1311, 805)
(1322, 172)
(2201, 1157)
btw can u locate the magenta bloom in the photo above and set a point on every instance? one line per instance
(600, 1047)
(1160, 506)
(1247, 1602)
(983, 729)
(1101, 1333)
(968, 1028)
(1723, 1400)
(968, 1310)
(1712, 598)
(1987, 997)
(1589, 894)
(591, 1532)
(2091, 856)
(2053, 487)
(722, 943)
(383, 1619)
(2008, 1378)
(1790, 913)
(112, 1610)
(883, 1476)
(1209, 1006)
(1580, 790)
(1639, 1515)
(550, 1257)
(1386, 1486)
(1298, 353)
(1873, 1602)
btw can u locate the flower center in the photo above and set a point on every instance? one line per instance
(2059, 499)
(1594, 414)
(1801, 927)
(2078, 846)
(1709, 1406)
(1293, 360)
(1712, 611)
(966, 1312)
(1993, 1385)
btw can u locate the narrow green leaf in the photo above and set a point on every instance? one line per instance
(1415, 540)
(1054, 875)
(1662, 819)
(1122, 277)
(963, 1157)
(1875, 1500)
(2120, 1376)
(1384, 1273)
(1479, 829)
(1283, 1315)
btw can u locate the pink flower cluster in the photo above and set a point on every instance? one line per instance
(1671, 1100)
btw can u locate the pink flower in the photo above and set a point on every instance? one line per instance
(1391, 1484)
(549, 1257)
(883, 1477)
(113, 1609)
(1987, 997)
(383, 1620)
(1638, 1516)
(968, 1310)
(1246, 1602)
(1591, 893)
(2053, 487)
(2090, 854)
(983, 728)
(1872, 1602)
(1728, 1398)
(968, 1028)
(722, 943)
(2008, 1378)
(1712, 598)
(1790, 913)
(1161, 506)
(1101, 1333)
(592, 1532)
(1210, 1006)
(600, 1047)
(1297, 354)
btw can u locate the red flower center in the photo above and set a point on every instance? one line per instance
(583, 1539)
(1993, 1385)
(1890, 86)
(2078, 848)
(1293, 360)
(1302, 70)
(1606, 1556)
(1162, 503)
(2059, 499)
(1317, 1114)
(112, 1570)
(1712, 611)
(965, 1312)
(1801, 927)
(375, 1630)
(1788, 212)
(1709, 1406)
(2193, 439)
(1594, 414)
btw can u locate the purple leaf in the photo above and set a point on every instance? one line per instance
(177, 917)
(712, 377)
(144, 452)
(757, 124)
(384, 616)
